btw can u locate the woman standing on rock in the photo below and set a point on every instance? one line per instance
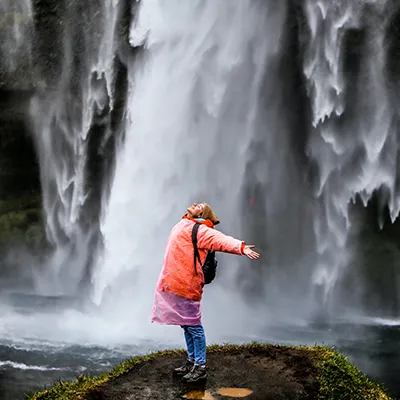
(180, 284)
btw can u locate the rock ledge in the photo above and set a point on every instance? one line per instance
(253, 372)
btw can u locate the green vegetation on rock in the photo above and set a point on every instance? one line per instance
(21, 221)
(22, 227)
(339, 379)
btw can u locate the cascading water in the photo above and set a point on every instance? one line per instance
(64, 113)
(326, 87)
(219, 88)
(190, 76)
(352, 139)
(193, 121)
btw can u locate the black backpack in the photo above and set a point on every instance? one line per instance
(210, 264)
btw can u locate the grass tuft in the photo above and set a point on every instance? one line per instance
(339, 379)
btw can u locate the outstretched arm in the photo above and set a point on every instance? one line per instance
(211, 239)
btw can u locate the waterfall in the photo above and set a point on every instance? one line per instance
(16, 27)
(215, 82)
(352, 138)
(326, 88)
(66, 111)
(227, 105)
(192, 125)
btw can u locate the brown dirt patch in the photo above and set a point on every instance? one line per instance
(274, 373)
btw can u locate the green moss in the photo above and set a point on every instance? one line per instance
(337, 378)
(22, 227)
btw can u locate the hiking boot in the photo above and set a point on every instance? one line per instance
(185, 368)
(197, 373)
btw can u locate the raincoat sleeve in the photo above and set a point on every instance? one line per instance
(211, 239)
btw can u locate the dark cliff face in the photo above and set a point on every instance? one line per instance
(20, 202)
(18, 161)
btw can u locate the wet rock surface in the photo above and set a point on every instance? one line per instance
(274, 373)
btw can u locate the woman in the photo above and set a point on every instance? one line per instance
(180, 284)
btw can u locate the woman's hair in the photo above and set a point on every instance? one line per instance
(208, 213)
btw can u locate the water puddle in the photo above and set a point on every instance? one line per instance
(234, 392)
(229, 392)
(199, 395)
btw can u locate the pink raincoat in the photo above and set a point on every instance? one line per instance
(180, 285)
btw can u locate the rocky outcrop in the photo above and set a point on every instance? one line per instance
(255, 371)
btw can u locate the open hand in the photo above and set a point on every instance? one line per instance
(253, 255)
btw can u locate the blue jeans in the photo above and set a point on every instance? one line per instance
(196, 343)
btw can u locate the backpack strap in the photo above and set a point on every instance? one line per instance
(196, 255)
